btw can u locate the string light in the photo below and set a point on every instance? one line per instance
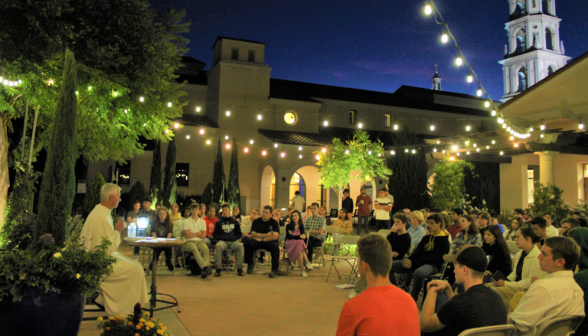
(444, 36)
(208, 142)
(370, 152)
(283, 154)
(169, 104)
(325, 123)
(246, 150)
(470, 78)
(435, 150)
(531, 129)
(228, 146)
(226, 137)
(454, 147)
(432, 127)
(487, 104)
(501, 153)
(494, 113)
(188, 136)
(317, 157)
(393, 152)
(478, 150)
(503, 125)
(251, 142)
(176, 125)
(443, 151)
(500, 120)
(475, 145)
(511, 138)
(428, 8)
(468, 128)
(259, 117)
(487, 147)
(479, 92)
(263, 153)
(202, 131)
(458, 60)
(276, 145)
(581, 125)
(467, 142)
(493, 142)
(324, 150)
(542, 135)
(141, 99)
(516, 145)
(300, 156)
(360, 125)
(126, 111)
(542, 127)
(396, 127)
(300, 148)
(228, 113)
(468, 153)
(406, 150)
(413, 151)
(346, 151)
(198, 109)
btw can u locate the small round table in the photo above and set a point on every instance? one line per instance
(156, 243)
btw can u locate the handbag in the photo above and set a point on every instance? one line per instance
(284, 267)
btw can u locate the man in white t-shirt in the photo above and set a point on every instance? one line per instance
(194, 232)
(550, 229)
(391, 198)
(382, 206)
(298, 202)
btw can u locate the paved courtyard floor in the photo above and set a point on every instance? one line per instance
(249, 305)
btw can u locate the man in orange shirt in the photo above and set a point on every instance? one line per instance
(382, 309)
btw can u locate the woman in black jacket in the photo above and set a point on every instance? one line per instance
(497, 252)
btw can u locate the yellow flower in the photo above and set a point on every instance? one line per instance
(57, 255)
(160, 331)
(100, 319)
(142, 320)
(119, 317)
(160, 325)
(78, 276)
(147, 328)
(146, 314)
(150, 324)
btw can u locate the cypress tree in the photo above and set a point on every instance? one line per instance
(155, 179)
(409, 183)
(233, 191)
(169, 180)
(218, 179)
(137, 192)
(207, 195)
(92, 197)
(58, 186)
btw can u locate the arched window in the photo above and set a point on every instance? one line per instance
(521, 40)
(522, 79)
(545, 4)
(549, 39)
(520, 9)
(550, 70)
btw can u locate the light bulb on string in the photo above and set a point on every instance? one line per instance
(581, 125)
(283, 154)
(467, 142)
(228, 113)
(487, 104)
(435, 150)
(432, 127)
(470, 78)
(468, 153)
(276, 145)
(169, 104)
(542, 127)
(188, 136)
(317, 157)
(176, 125)
(360, 125)
(444, 36)
(246, 150)
(531, 129)
(468, 128)
(406, 150)
(263, 153)
(454, 147)
(457, 154)
(487, 147)
(396, 127)
(198, 109)
(413, 151)
(444, 151)
(300, 148)
(511, 138)
(226, 137)
(202, 131)
(458, 60)
(501, 153)
(479, 92)
(494, 142)
(478, 150)
(325, 123)
(251, 142)
(208, 142)
(393, 152)
(516, 145)
(141, 99)
(494, 113)
(508, 129)
(324, 150)
(503, 125)
(428, 8)
(300, 156)
(259, 117)
(542, 135)
(500, 120)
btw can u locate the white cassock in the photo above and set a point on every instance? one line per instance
(125, 286)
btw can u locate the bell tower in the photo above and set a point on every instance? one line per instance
(436, 80)
(534, 49)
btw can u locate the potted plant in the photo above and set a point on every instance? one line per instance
(43, 286)
(138, 324)
(45, 272)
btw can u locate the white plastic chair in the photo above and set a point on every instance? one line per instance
(499, 330)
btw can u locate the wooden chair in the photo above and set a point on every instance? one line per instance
(499, 330)
(560, 326)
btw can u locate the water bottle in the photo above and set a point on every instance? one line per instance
(132, 230)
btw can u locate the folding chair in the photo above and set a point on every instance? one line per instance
(560, 326)
(499, 330)
(318, 251)
(345, 240)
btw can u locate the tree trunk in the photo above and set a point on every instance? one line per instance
(4, 180)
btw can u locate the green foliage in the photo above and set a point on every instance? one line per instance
(58, 186)
(483, 186)
(23, 192)
(218, 179)
(410, 182)
(92, 195)
(207, 194)
(137, 193)
(233, 191)
(548, 198)
(68, 267)
(359, 155)
(448, 188)
(170, 184)
(155, 179)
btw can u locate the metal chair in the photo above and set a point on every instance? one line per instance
(499, 330)
(345, 240)
(560, 326)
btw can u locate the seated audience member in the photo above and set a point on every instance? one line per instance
(186, 212)
(277, 216)
(248, 220)
(203, 210)
(175, 214)
(237, 214)
(498, 253)
(555, 295)
(344, 223)
(526, 266)
(469, 234)
(484, 219)
(539, 225)
(511, 233)
(568, 223)
(550, 229)
(580, 235)
(446, 223)
(583, 222)
(474, 213)
(323, 213)
(210, 221)
(315, 227)
(264, 235)
(417, 216)
(295, 245)
(416, 232)
(162, 228)
(455, 227)
(399, 239)
(382, 309)
(227, 233)
(518, 213)
(306, 214)
(426, 259)
(577, 214)
(194, 231)
(477, 307)
(406, 211)
(132, 215)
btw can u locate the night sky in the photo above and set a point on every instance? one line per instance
(373, 45)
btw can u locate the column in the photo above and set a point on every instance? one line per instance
(283, 177)
(546, 171)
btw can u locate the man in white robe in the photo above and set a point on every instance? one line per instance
(125, 286)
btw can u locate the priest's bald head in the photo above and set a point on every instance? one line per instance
(110, 195)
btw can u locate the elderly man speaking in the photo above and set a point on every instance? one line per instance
(125, 286)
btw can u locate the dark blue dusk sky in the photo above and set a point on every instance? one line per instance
(372, 45)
